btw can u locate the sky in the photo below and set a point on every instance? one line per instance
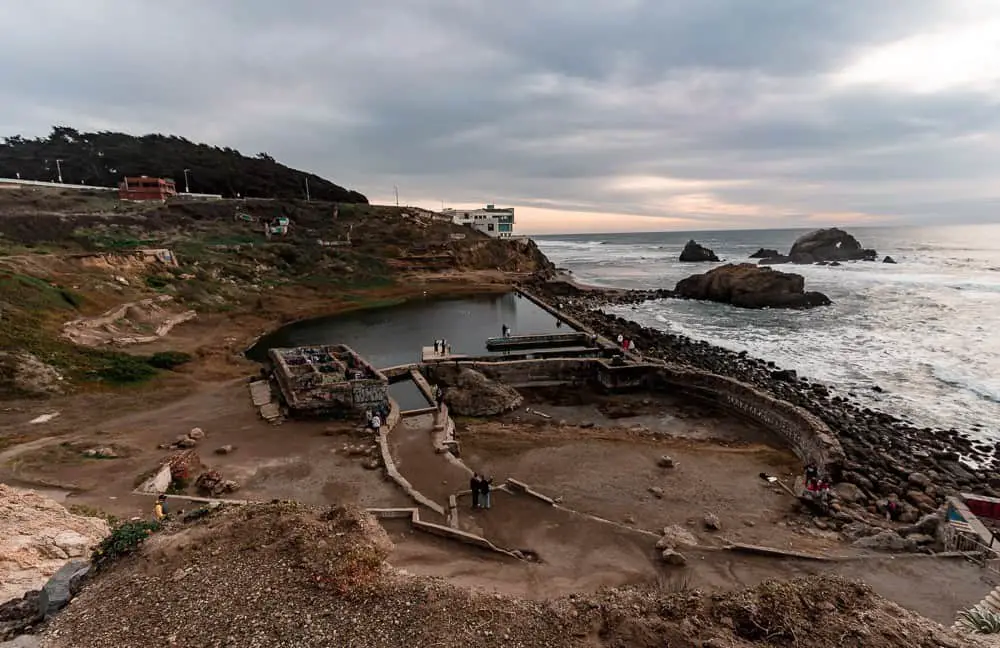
(585, 115)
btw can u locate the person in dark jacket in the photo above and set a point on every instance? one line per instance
(475, 485)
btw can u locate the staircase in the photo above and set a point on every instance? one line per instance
(263, 399)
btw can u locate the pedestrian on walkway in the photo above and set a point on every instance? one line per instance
(505, 331)
(160, 508)
(439, 395)
(435, 346)
(475, 485)
(484, 492)
(621, 339)
(376, 424)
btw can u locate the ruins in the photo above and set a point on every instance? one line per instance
(329, 380)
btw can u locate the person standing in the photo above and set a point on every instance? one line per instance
(621, 339)
(160, 508)
(475, 485)
(435, 346)
(484, 491)
(376, 424)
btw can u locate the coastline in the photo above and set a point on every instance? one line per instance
(887, 456)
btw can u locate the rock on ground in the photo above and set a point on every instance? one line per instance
(37, 536)
(694, 253)
(23, 373)
(749, 286)
(675, 536)
(57, 593)
(470, 393)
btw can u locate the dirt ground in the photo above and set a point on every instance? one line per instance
(305, 461)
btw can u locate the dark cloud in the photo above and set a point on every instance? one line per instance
(538, 104)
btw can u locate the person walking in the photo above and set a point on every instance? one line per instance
(439, 395)
(621, 339)
(475, 485)
(160, 508)
(435, 346)
(376, 424)
(484, 492)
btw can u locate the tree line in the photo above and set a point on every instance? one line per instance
(104, 158)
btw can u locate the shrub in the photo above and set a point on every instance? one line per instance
(156, 281)
(124, 539)
(121, 368)
(980, 621)
(169, 360)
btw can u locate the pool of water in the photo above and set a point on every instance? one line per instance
(394, 335)
(407, 395)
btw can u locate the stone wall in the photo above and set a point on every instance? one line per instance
(808, 437)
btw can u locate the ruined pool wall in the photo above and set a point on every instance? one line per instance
(807, 436)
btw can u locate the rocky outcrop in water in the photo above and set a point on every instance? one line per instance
(749, 286)
(765, 253)
(695, 253)
(824, 245)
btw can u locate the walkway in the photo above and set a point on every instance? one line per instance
(569, 541)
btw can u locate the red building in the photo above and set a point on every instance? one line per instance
(146, 188)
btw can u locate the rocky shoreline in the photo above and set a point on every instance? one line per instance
(887, 457)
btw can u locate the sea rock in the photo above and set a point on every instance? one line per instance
(694, 253)
(888, 259)
(765, 253)
(833, 244)
(56, 593)
(672, 557)
(712, 522)
(749, 286)
(778, 259)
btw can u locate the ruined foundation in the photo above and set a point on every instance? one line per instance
(328, 380)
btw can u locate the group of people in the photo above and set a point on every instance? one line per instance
(817, 486)
(625, 343)
(441, 346)
(377, 417)
(481, 486)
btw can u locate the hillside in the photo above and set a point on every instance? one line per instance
(103, 158)
(290, 575)
(68, 255)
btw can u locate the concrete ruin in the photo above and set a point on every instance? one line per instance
(328, 380)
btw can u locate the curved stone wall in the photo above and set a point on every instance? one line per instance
(807, 436)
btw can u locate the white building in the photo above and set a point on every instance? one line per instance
(497, 222)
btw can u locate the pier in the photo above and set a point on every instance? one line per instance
(539, 341)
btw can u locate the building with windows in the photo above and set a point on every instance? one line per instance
(494, 221)
(146, 188)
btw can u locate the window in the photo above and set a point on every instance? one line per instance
(490, 227)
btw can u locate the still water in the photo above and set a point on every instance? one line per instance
(394, 335)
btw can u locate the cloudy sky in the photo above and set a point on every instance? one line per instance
(587, 115)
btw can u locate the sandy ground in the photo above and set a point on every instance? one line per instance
(304, 461)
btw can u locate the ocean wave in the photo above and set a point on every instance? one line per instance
(983, 388)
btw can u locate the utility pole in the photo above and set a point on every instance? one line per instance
(307, 188)
(59, 170)
(187, 185)
(396, 189)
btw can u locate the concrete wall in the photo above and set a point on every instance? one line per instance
(804, 433)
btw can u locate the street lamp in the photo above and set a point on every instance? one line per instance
(59, 170)
(187, 187)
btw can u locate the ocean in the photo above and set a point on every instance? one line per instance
(925, 331)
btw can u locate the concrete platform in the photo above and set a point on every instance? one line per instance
(428, 354)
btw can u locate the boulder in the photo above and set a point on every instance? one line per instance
(921, 500)
(888, 259)
(56, 594)
(919, 480)
(775, 260)
(23, 641)
(473, 394)
(848, 492)
(765, 253)
(656, 491)
(197, 434)
(694, 253)
(749, 286)
(676, 536)
(833, 244)
(711, 522)
(224, 450)
(886, 541)
(18, 615)
(674, 558)
(666, 461)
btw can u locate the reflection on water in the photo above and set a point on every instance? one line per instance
(395, 335)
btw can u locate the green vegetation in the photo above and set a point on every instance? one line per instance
(169, 360)
(124, 540)
(103, 158)
(980, 621)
